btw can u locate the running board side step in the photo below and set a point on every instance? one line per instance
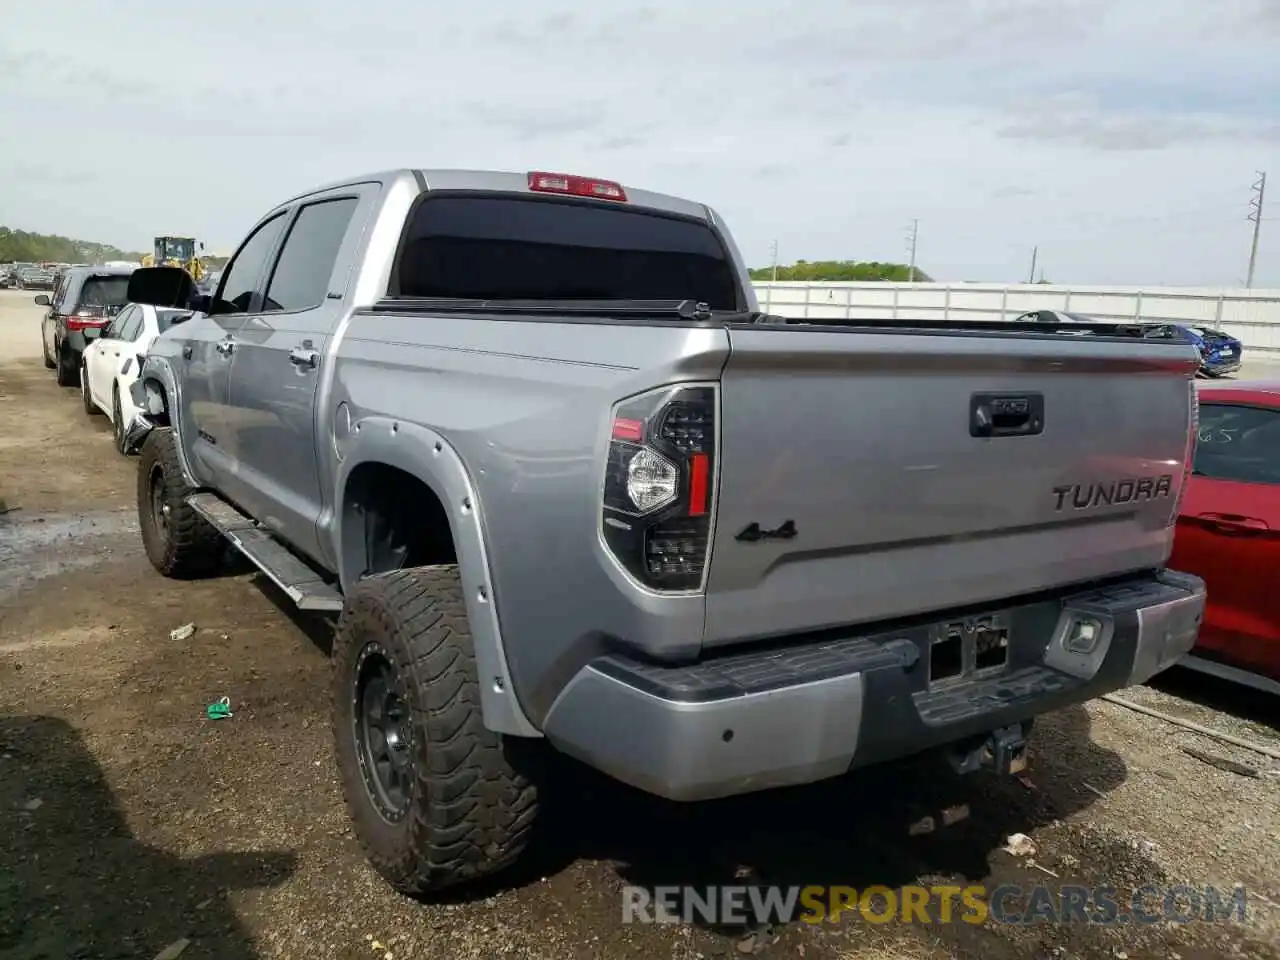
(305, 586)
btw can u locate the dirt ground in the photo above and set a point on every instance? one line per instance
(129, 821)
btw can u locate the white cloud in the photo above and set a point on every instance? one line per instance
(1121, 136)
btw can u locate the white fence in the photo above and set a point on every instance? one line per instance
(1251, 315)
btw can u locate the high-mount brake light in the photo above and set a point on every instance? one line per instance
(659, 487)
(567, 183)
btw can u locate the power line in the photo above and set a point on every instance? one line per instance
(1255, 205)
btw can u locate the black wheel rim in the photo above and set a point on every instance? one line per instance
(383, 732)
(159, 504)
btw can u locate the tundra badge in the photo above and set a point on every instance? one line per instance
(1129, 490)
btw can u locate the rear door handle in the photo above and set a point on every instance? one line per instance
(225, 347)
(302, 357)
(1234, 523)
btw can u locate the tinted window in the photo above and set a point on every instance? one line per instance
(104, 291)
(301, 277)
(1238, 443)
(132, 325)
(510, 248)
(116, 327)
(243, 275)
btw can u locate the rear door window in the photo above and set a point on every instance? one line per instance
(60, 295)
(1239, 443)
(132, 325)
(115, 329)
(301, 277)
(507, 248)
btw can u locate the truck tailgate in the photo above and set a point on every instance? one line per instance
(856, 484)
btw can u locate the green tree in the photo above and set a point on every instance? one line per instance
(841, 270)
(20, 246)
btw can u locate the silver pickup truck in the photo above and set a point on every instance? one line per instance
(532, 438)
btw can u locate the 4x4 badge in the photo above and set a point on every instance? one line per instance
(752, 532)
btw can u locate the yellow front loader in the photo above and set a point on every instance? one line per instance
(177, 252)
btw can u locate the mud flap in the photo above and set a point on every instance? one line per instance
(136, 432)
(1004, 751)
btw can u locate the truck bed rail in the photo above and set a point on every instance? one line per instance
(1144, 331)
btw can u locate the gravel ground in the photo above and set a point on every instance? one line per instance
(129, 822)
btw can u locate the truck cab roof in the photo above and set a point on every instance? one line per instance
(499, 181)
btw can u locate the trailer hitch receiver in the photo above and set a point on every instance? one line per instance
(1004, 751)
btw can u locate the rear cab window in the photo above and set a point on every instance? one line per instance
(511, 247)
(1239, 443)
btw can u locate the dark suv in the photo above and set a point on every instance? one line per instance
(85, 301)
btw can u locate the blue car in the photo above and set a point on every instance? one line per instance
(1219, 353)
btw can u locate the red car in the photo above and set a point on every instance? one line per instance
(1229, 532)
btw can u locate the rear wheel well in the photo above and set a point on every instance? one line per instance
(391, 520)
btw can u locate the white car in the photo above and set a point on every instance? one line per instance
(111, 362)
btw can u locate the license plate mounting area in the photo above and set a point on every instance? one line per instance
(966, 648)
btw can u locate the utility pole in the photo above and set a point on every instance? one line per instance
(1255, 206)
(773, 248)
(1035, 252)
(912, 238)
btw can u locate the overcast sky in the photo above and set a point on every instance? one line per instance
(1121, 136)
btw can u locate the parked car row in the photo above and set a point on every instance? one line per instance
(26, 276)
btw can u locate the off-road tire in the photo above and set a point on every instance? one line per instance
(90, 408)
(117, 419)
(44, 352)
(186, 546)
(472, 798)
(68, 371)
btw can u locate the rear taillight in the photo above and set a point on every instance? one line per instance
(84, 320)
(567, 183)
(659, 486)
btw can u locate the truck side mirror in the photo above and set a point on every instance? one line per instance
(161, 287)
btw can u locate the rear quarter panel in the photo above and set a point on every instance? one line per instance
(525, 405)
